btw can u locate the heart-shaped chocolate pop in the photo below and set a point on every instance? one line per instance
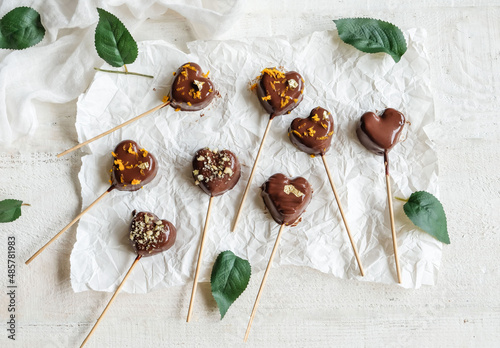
(279, 92)
(133, 167)
(149, 235)
(379, 134)
(191, 90)
(313, 135)
(286, 199)
(216, 172)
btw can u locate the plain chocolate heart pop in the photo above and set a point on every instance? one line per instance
(192, 90)
(215, 172)
(133, 167)
(286, 199)
(313, 135)
(279, 93)
(379, 134)
(148, 236)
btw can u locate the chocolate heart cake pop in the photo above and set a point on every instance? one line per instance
(379, 134)
(133, 167)
(279, 92)
(216, 172)
(286, 199)
(149, 235)
(312, 135)
(191, 90)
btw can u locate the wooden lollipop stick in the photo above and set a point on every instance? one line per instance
(112, 299)
(391, 214)
(251, 175)
(343, 216)
(68, 225)
(257, 299)
(76, 147)
(200, 257)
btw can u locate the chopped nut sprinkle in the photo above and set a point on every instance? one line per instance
(144, 165)
(292, 189)
(293, 84)
(199, 84)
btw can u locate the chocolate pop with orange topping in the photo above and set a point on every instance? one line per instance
(313, 135)
(279, 92)
(133, 167)
(192, 90)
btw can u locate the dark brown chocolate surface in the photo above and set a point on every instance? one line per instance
(191, 90)
(216, 172)
(286, 199)
(280, 92)
(313, 134)
(379, 134)
(133, 166)
(149, 235)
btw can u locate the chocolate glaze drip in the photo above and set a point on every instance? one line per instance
(216, 172)
(312, 135)
(149, 235)
(280, 92)
(191, 91)
(379, 134)
(133, 167)
(286, 199)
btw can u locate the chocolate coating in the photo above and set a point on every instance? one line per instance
(133, 167)
(379, 134)
(191, 89)
(286, 199)
(279, 92)
(313, 134)
(216, 172)
(149, 235)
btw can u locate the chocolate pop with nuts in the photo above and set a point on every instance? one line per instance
(215, 172)
(314, 135)
(149, 236)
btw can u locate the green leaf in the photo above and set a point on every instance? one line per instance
(426, 212)
(10, 210)
(21, 28)
(372, 36)
(113, 41)
(230, 277)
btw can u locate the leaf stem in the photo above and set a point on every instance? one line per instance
(401, 199)
(26, 204)
(124, 72)
(125, 66)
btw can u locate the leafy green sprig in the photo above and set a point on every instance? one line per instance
(115, 44)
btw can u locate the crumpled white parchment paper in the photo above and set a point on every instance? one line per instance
(338, 77)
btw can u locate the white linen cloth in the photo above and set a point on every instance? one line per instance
(60, 67)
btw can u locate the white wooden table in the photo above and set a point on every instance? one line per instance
(300, 307)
